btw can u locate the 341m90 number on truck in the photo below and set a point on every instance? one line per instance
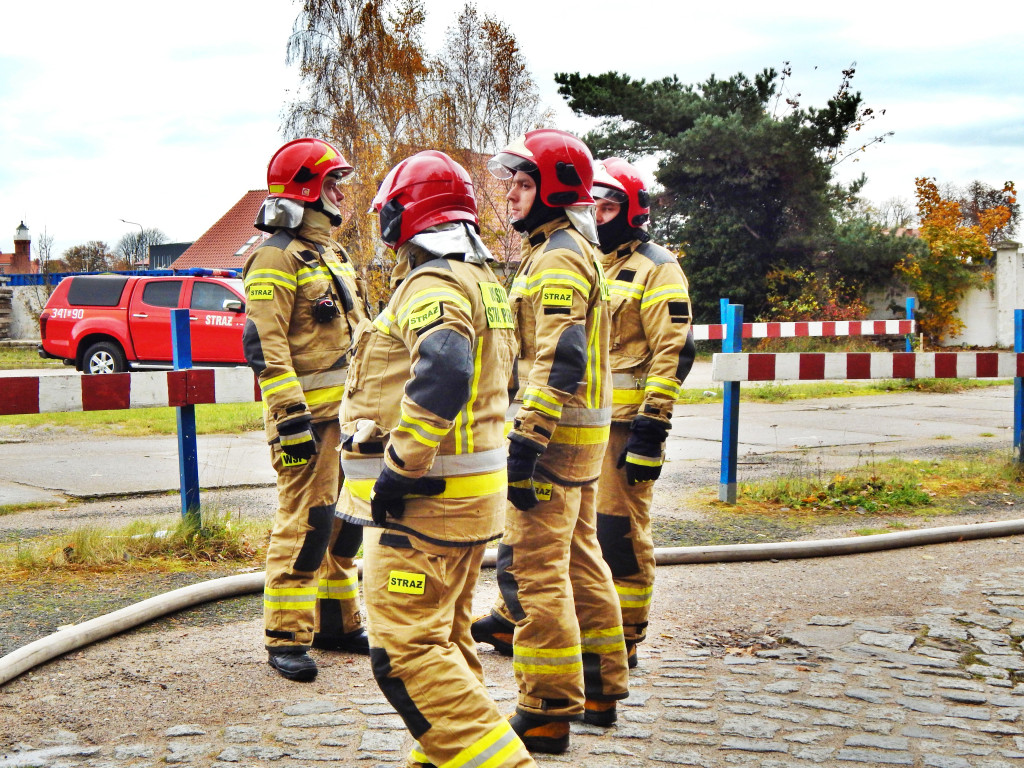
(110, 323)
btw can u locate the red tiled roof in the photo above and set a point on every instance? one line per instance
(224, 245)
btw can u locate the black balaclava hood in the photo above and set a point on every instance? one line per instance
(614, 233)
(540, 212)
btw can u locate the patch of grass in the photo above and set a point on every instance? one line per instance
(217, 539)
(725, 529)
(889, 528)
(892, 487)
(10, 509)
(220, 418)
(14, 358)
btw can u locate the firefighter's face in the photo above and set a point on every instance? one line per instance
(606, 210)
(521, 195)
(332, 190)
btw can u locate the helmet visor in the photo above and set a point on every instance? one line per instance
(504, 165)
(607, 193)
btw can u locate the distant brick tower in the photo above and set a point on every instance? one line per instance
(21, 264)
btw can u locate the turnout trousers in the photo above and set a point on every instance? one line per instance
(306, 592)
(557, 589)
(624, 532)
(419, 610)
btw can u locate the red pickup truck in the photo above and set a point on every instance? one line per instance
(108, 323)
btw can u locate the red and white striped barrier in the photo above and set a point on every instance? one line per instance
(818, 366)
(816, 328)
(119, 391)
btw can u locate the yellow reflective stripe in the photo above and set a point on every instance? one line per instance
(634, 597)
(426, 297)
(343, 269)
(326, 395)
(420, 430)
(627, 396)
(604, 641)
(277, 383)
(337, 589)
(548, 277)
(547, 661)
(276, 276)
(417, 755)
(464, 421)
(664, 293)
(290, 598)
(662, 386)
(384, 321)
(542, 402)
(309, 274)
(580, 435)
(490, 751)
(643, 461)
(461, 487)
(629, 290)
(594, 362)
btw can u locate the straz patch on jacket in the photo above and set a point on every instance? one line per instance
(407, 583)
(424, 315)
(291, 461)
(499, 313)
(542, 491)
(556, 296)
(260, 292)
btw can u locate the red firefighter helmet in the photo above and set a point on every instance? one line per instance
(622, 178)
(564, 163)
(423, 191)
(297, 170)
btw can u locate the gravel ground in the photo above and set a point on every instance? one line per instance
(180, 668)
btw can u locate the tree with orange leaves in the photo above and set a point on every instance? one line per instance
(957, 256)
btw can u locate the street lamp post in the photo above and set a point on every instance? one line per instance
(142, 232)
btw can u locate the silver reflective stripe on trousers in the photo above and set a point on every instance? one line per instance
(444, 466)
(572, 417)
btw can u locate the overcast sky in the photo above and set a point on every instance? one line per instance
(164, 114)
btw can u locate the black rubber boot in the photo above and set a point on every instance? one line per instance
(356, 641)
(540, 734)
(631, 658)
(600, 713)
(292, 663)
(494, 631)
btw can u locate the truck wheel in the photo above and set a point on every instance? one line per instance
(104, 357)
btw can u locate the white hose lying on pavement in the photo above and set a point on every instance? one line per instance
(78, 635)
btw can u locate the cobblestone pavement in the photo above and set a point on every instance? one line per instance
(936, 688)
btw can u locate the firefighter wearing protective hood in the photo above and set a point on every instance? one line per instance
(423, 453)
(569, 653)
(652, 351)
(303, 302)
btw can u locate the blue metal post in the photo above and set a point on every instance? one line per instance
(733, 342)
(723, 311)
(188, 454)
(1018, 387)
(911, 301)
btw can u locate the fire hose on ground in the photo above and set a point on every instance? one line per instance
(76, 636)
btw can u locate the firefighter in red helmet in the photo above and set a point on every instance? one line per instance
(569, 654)
(303, 301)
(651, 354)
(423, 452)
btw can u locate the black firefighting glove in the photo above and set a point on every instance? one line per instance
(387, 496)
(522, 462)
(642, 455)
(298, 436)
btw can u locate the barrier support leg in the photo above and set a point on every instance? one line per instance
(911, 301)
(733, 342)
(188, 452)
(1018, 388)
